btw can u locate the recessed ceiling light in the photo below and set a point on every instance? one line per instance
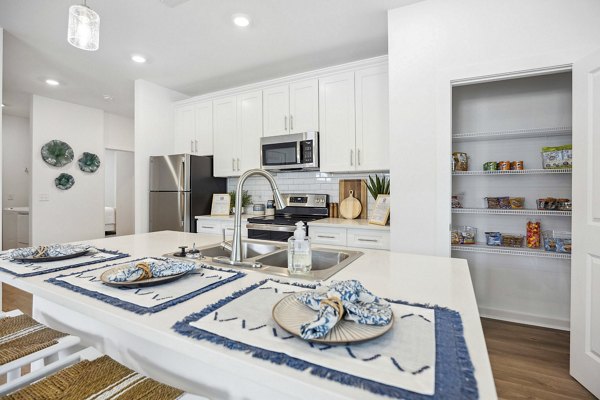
(241, 20)
(52, 82)
(138, 58)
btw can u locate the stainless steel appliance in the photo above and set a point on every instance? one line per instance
(298, 151)
(279, 227)
(181, 187)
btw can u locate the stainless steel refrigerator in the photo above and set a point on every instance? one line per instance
(181, 187)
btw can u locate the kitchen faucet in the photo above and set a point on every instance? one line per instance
(236, 246)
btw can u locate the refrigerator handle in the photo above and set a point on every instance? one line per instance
(182, 208)
(182, 176)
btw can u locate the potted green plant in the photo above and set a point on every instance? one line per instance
(246, 200)
(378, 186)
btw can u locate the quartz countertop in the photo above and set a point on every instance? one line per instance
(348, 223)
(222, 217)
(147, 343)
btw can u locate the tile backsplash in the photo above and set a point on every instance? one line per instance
(300, 182)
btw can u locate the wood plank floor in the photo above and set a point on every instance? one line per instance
(528, 362)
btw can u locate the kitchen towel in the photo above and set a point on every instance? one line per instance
(102, 378)
(24, 270)
(424, 355)
(151, 299)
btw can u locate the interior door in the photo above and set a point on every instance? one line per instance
(276, 110)
(304, 106)
(585, 266)
(250, 129)
(224, 122)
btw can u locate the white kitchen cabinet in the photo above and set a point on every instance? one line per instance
(276, 110)
(337, 123)
(238, 128)
(366, 238)
(372, 119)
(215, 226)
(194, 129)
(224, 136)
(292, 108)
(331, 236)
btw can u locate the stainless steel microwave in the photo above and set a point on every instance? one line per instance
(297, 151)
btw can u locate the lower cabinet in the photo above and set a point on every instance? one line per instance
(215, 227)
(350, 237)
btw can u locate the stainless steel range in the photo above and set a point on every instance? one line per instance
(279, 227)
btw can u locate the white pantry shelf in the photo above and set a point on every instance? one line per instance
(497, 211)
(514, 172)
(511, 251)
(512, 134)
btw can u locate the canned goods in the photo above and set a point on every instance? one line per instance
(517, 165)
(490, 166)
(504, 165)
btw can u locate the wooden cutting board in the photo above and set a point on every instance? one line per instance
(350, 208)
(359, 186)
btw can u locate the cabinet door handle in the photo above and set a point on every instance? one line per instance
(197, 145)
(233, 164)
(207, 227)
(291, 122)
(285, 122)
(238, 164)
(357, 155)
(368, 240)
(191, 146)
(351, 157)
(325, 237)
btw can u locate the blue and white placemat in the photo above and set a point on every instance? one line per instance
(147, 300)
(25, 269)
(424, 356)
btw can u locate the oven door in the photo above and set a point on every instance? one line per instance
(277, 233)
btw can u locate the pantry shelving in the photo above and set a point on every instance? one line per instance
(515, 172)
(495, 211)
(512, 134)
(517, 251)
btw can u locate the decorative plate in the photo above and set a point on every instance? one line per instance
(48, 259)
(140, 283)
(290, 314)
(64, 181)
(57, 153)
(89, 162)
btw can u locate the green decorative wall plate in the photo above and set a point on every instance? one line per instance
(57, 153)
(64, 181)
(89, 162)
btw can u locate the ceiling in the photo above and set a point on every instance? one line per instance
(191, 45)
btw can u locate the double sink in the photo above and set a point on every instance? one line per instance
(272, 258)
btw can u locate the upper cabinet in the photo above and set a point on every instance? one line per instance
(194, 128)
(372, 119)
(353, 115)
(292, 108)
(238, 127)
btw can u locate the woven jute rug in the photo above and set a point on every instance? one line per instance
(102, 378)
(22, 335)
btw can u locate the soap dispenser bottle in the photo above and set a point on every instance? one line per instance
(299, 253)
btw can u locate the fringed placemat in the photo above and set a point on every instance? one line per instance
(150, 299)
(102, 378)
(24, 269)
(423, 356)
(22, 335)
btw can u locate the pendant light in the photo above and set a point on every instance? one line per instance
(84, 27)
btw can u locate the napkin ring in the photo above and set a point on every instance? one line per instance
(146, 271)
(336, 303)
(41, 251)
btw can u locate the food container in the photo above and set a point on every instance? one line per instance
(491, 202)
(461, 161)
(548, 203)
(533, 234)
(456, 201)
(493, 238)
(556, 241)
(517, 165)
(504, 202)
(564, 205)
(258, 209)
(490, 166)
(504, 165)
(511, 240)
(463, 235)
(517, 202)
(557, 157)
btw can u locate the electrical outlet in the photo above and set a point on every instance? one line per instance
(44, 197)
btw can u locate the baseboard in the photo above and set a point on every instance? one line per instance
(524, 318)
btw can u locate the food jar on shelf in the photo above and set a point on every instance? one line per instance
(533, 234)
(456, 201)
(557, 241)
(493, 238)
(463, 235)
(504, 165)
(517, 165)
(490, 166)
(460, 161)
(564, 205)
(512, 240)
(517, 202)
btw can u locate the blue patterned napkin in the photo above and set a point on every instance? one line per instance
(154, 268)
(349, 298)
(53, 250)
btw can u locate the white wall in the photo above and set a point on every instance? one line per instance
(110, 177)
(77, 213)
(125, 192)
(432, 39)
(16, 159)
(154, 122)
(118, 132)
(1, 75)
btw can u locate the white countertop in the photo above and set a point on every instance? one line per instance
(147, 343)
(222, 217)
(347, 223)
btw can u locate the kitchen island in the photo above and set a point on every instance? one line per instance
(148, 344)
